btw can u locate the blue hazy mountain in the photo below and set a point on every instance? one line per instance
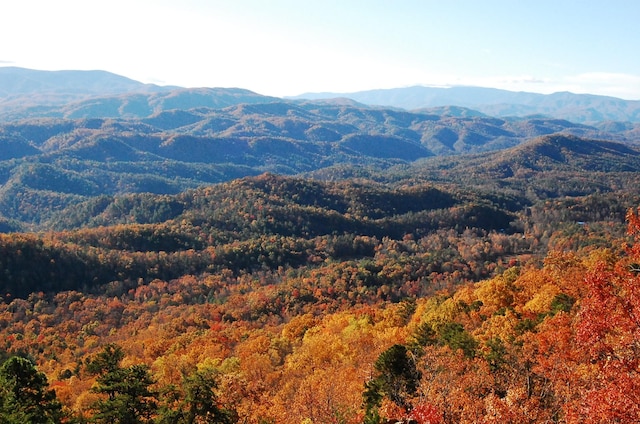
(582, 108)
(27, 93)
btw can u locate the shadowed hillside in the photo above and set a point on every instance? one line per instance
(50, 163)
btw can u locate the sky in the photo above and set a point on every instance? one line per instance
(289, 47)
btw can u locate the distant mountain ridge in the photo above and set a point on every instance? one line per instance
(581, 108)
(16, 81)
(27, 93)
(138, 138)
(47, 164)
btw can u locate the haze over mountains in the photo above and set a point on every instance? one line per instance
(261, 239)
(584, 108)
(69, 136)
(26, 93)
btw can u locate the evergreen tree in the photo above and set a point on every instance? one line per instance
(129, 398)
(198, 403)
(24, 395)
(397, 379)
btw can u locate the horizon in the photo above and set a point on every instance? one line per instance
(290, 47)
(311, 93)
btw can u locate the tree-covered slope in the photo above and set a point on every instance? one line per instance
(156, 231)
(544, 167)
(48, 164)
(453, 325)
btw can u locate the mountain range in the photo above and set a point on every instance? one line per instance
(215, 254)
(582, 108)
(27, 93)
(68, 137)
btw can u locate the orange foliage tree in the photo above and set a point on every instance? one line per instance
(608, 329)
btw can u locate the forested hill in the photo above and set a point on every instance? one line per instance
(29, 94)
(240, 211)
(285, 300)
(141, 103)
(139, 237)
(47, 164)
(546, 166)
(317, 262)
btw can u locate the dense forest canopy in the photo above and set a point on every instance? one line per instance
(50, 164)
(390, 265)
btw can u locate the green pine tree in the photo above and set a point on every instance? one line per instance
(128, 395)
(24, 395)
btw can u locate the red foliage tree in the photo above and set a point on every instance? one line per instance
(608, 329)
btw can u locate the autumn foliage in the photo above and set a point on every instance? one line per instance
(448, 325)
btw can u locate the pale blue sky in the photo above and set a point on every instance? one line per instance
(287, 47)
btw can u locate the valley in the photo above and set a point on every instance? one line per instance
(227, 257)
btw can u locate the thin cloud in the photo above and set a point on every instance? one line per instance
(605, 77)
(626, 86)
